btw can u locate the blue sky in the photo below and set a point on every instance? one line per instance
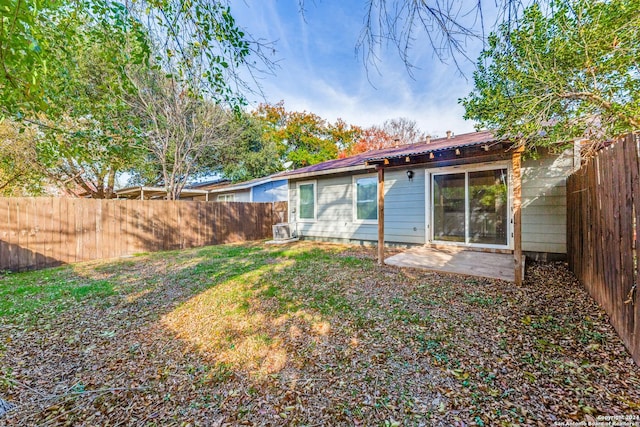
(319, 70)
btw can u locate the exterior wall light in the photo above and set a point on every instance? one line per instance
(410, 175)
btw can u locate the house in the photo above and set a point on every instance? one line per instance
(471, 190)
(267, 189)
(159, 193)
(197, 191)
(272, 188)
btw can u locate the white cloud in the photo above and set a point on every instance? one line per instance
(322, 74)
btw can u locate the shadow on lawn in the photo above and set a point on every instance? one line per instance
(207, 316)
(223, 302)
(301, 335)
(252, 319)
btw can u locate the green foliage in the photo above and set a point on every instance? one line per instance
(39, 43)
(27, 30)
(66, 67)
(571, 73)
(70, 84)
(304, 138)
(199, 44)
(249, 156)
(18, 174)
(89, 134)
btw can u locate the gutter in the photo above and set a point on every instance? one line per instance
(294, 176)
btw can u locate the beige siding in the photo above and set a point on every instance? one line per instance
(544, 202)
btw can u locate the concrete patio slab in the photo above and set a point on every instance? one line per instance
(457, 260)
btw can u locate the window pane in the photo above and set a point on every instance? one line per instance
(448, 207)
(367, 199)
(488, 221)
(307, 202)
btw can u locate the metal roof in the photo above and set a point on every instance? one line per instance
(435, 145)
(440, 144)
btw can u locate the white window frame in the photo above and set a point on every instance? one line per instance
(430, 173)
(229, 197)
(315, 201)
(354, 198)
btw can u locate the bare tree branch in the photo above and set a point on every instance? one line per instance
(447, 26)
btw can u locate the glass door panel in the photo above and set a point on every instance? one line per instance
(488, 217)
(449, 207)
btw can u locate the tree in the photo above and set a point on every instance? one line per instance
(303, 138)
(27, 26)
(571, 74)
(249, 156)
(65, 66)
(38, 42)
(19, 174)
(393, 132)
(198, 42)
(371, 138)
(179, 128)
(89, 135)
(403, 131)
(447, 26)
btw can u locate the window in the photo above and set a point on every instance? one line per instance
(226, 197)
(366, 199)
(307, 201)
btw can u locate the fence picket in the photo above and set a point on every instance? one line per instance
(603, 212)
(40, 232)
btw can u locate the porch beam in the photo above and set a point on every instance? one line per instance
(380, 215)
(467, 155)
(516, 160)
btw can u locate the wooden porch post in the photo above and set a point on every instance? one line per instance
(517, 214)
(380, 215)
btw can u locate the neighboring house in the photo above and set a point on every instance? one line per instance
(197, 191)
(271, 188)
(457, 190)
(159, 193)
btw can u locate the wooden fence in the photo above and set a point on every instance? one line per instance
(37, 232)
(603, 208)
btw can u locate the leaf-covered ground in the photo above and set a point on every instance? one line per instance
(306, 334)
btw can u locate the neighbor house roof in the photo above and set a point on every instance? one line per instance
(366, 160)
(140, 192)
(244, 185)
(207, 185)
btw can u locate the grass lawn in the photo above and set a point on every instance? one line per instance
(307, 334)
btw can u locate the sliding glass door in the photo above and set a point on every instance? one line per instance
(449, 207)
(471, 207)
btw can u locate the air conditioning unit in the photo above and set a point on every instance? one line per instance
(284, 231)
